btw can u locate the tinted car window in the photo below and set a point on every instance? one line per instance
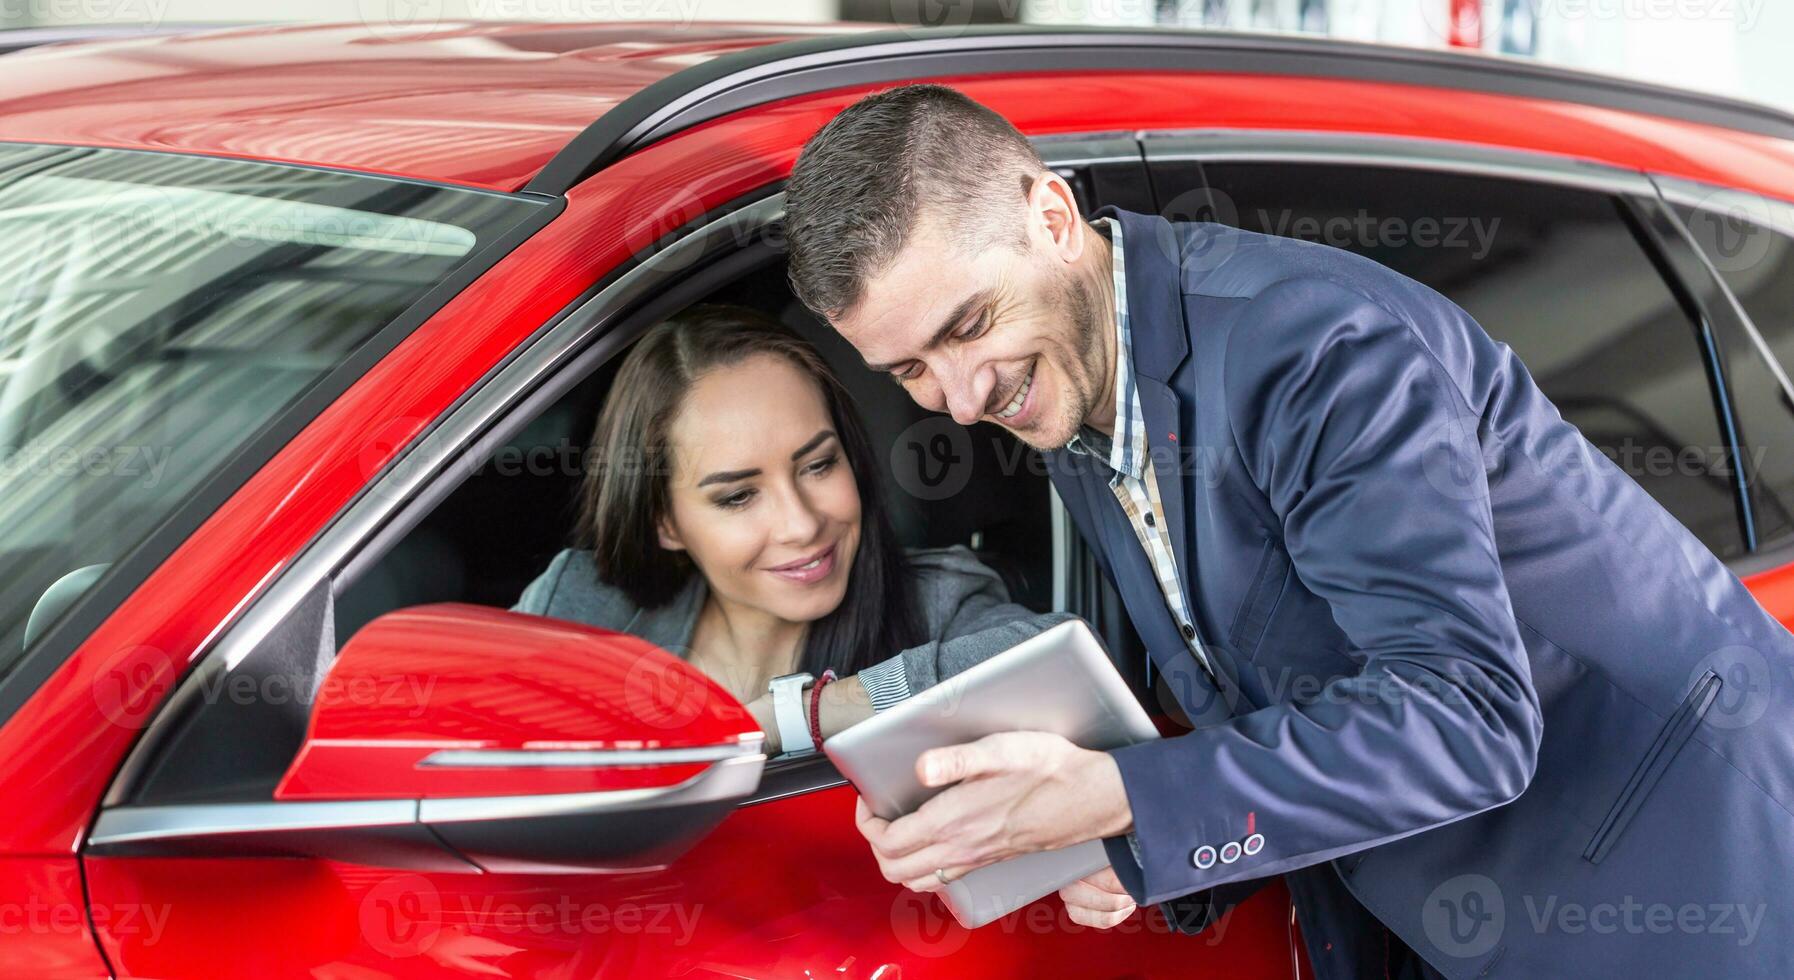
(1754, 255)
(1555, 273)
(157, 311)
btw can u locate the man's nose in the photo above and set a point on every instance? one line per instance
(966, 397)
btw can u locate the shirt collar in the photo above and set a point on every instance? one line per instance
(1125, 450)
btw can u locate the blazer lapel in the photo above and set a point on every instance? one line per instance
(1159, 406)
(1160, 339)
(1091, 503)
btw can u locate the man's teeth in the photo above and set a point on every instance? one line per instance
(1015, 404)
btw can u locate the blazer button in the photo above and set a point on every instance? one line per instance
(1203, 857)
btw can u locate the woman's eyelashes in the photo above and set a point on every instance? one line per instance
(736, 500)
(740, 498)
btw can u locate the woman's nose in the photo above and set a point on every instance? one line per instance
(799, 521)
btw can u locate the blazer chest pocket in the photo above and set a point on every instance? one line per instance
(1260, 599)
(1674, 734)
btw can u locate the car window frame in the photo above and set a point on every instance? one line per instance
(1732, 319)
(706, 253)
(1638, 192)
(555, 357)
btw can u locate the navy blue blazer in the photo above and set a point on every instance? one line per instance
(1474, 681)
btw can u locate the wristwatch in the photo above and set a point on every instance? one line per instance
(788, 712)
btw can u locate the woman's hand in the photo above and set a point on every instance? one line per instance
(845, 703)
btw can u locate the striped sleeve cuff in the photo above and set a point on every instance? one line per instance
(885, 683)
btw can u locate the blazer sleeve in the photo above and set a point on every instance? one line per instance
(969, 617)
(1370, 455)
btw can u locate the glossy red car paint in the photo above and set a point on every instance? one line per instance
(486, 104)
(837, 919)
(482, 104)
(452, 676)
(64, 745)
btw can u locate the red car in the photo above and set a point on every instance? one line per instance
(301, 325)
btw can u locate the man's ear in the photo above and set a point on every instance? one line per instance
(669, 535)
(1053, 216)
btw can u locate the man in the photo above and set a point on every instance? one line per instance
(1480, 698)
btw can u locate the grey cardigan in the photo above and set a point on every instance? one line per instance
(966, 613)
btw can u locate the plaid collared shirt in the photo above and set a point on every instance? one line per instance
(1132, 478)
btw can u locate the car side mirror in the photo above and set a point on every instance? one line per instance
(459, 736)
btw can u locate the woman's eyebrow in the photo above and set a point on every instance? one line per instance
(732, 476)
(815, 440)
(727, 476)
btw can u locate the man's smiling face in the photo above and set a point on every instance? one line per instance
(1019, 336)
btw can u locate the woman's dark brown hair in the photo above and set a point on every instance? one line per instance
(625, 496)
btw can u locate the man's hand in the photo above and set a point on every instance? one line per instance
(1098, 900)
(1017, 793)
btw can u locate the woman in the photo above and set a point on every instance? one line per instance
(732, 514)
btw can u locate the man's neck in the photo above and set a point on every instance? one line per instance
(1102, 282)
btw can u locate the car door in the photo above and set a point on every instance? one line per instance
(784, 886)
(1571, 265)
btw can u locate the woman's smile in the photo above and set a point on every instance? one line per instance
(809, 570)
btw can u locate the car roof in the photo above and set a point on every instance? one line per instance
(478, 103)
(540, 106)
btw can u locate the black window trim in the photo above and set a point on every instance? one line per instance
(1367, 150)
(1647, 218)
(1702, 196)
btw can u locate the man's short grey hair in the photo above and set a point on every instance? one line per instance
(862, 182)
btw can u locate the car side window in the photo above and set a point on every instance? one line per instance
(1752, 250)
(1554, 272)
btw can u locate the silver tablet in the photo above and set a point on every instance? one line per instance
(1059, 681)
